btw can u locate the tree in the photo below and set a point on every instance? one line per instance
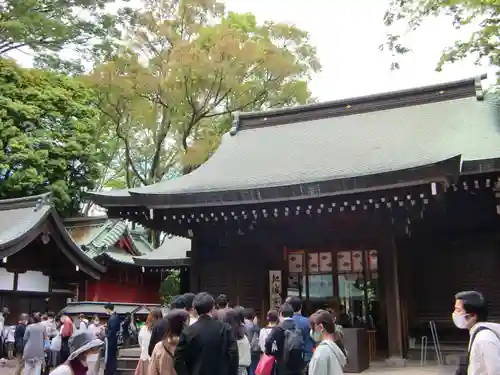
(184, 67)
(170, 286)
(483, 42)
(47, 26)
(48, 124)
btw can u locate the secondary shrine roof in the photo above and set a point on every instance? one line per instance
(172, 253)
(99, 237)
(359, 144)
(22, 220)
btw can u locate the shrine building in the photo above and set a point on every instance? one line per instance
(386, 204)
(134, 269)
(41, 266)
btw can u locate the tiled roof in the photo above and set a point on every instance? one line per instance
(101, 240)
(173, 252)
(344, 144)
(24, 219)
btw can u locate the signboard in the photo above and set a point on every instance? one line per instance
(275, 288)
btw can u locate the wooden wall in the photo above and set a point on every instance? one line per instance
(238, 269)
(442, 267)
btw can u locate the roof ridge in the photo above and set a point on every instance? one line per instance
(362, 104)
(73, 222)
(34, 201)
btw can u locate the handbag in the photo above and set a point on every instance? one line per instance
(265, 365)
(56, 344)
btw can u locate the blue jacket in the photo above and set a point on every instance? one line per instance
(303, 323)
(114, 323)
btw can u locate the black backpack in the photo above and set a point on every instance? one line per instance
(293, 349)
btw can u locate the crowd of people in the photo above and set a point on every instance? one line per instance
(41, 342)
(198, 335)
(203, 336)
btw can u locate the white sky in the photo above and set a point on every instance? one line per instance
(347, 34)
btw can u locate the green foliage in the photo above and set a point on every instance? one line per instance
(48, 125)
(184, 67)
(170, 286)
(483, 43)
(46, 26)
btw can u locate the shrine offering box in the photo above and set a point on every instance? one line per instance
(356, 343)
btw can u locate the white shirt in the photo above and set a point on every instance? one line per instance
(192, 320)
(144, 339)
(95, 329)
(244, 352)
(264, 332)
(10, 336)
(485, 350)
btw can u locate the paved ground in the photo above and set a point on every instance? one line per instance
(378, 368)
(9, 368)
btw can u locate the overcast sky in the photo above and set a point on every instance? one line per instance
(347, 34)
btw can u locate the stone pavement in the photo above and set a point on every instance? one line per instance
(9, 367)
(377, 368)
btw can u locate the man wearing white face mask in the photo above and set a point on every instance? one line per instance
(471, 313)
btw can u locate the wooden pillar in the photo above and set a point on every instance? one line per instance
(390, 276)
(184, 276)
(194, 274)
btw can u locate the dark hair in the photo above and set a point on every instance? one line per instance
(295, 302)
(50, 314)
(324, 318)
(239, 313)
(272, 316)
(286, 310)
(203, 303)
(109, 306)
(178, 302)
(153, 317)
(249, 313)
(36, 318)
(175, 321)
(234, 318)
(474, 303)
(222, 301)
(189, 298)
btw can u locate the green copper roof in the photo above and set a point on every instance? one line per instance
(100, 238)
(333, 148)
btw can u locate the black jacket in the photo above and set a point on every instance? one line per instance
(277, 337)
(19, 338)
(206, 348)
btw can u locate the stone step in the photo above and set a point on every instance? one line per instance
(125, 371)
(127, 362)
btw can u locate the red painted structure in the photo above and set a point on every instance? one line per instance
(113, 244)
(122, 284)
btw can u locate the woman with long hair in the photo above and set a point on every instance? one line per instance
(234, 318)
(162, 358)
(328, 358)
(144, 338)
